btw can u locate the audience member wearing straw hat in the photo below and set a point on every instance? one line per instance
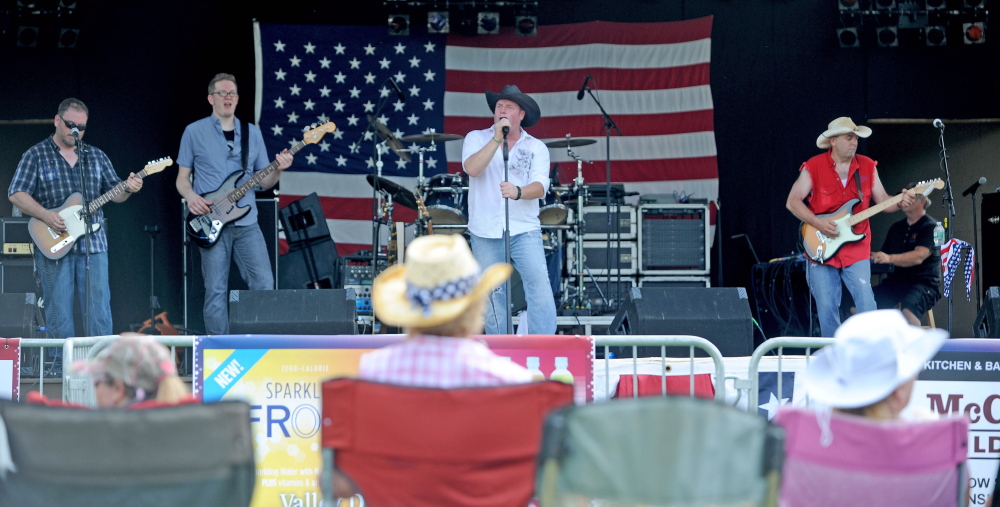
(134, 370)
(870, 370)
(438, 296)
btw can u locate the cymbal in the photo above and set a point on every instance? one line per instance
(569, 143)
(431, 137)
(399, 194)
(389, 138)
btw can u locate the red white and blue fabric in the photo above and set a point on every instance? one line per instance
(951, 257)
(653, 80)
(435, 361)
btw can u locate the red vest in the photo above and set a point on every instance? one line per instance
(828, 194)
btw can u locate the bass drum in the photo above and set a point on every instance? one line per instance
(552, 209)
(445, 198)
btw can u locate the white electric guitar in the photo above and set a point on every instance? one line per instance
(820, 247)
(56, 244)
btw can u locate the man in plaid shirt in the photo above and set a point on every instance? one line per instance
(439, 296)
(49, 172)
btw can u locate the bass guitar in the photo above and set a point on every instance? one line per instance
(55, 244)
(204, 229)
(820, 247)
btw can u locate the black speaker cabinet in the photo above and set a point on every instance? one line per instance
(990, 241)
(194, 284)
(986, 324)
(721, 315)
(17, 276)
(17, 315)
(294, 267)
(295, 311)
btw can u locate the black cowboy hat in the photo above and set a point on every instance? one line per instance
(513, 94)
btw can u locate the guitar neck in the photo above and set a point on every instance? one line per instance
(115, 191)
(259, 176)
(878, 208)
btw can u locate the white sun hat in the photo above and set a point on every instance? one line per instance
(874, 353)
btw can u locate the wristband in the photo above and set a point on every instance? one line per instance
(496, 140)
(518, 198)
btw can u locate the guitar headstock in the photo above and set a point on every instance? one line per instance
(158, 165)
(313, 135)
(925, 187)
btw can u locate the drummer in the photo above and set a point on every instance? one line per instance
(528, 174)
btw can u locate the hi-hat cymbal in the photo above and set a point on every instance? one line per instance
(568, 143)
(389, 138)
(431, 137)
(400, 195)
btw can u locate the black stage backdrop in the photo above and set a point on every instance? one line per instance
(778, 76)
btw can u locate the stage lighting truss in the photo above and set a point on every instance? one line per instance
(892, 23)
(468, 17)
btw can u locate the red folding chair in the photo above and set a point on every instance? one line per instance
(410, 446)
(851, 460)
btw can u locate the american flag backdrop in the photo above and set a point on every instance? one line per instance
(651, 78)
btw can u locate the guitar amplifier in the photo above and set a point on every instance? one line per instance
(674, 239)
(16, 240)
(595, 257)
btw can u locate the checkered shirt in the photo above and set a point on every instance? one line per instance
(45, 175)
(432, 361)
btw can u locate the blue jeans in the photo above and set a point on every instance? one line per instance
(824, 284)
(245, 245)
(62, 279)
(528, 257)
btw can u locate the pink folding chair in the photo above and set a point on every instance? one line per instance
(839, 459)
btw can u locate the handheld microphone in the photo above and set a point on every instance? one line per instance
(399, 93)
(583, 89)
(506, 130)
(938, 123)
(975, 186)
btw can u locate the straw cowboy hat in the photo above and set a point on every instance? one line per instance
(874, 353)
(840, 126)
(512, 93)
(438, 281)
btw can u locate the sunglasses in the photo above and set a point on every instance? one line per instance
(70, 125)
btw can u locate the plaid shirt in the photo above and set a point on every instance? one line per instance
(46, 176)
(432, 361)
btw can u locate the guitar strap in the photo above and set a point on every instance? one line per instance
(245, 147)
(857, 179)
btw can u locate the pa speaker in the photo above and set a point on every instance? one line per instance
(990, 238)
(293, 311)
(308, 265)
(987, 325)
(720, 315)
(17, 315)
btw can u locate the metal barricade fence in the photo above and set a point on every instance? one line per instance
(78, 388)
(752, 381)
(41, 344)
(692, 342)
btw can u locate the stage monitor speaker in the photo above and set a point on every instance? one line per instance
(18, 276)
(17, 315)
(986, 324)
(990, 241)
(721, 315)
(294, 271)
(194, 284)
(304, 219)
(294, 311)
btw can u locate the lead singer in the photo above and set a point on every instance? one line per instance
(528, 180)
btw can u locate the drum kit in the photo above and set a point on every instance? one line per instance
(441, 201)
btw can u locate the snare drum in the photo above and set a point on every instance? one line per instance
(551, 209)
(446, 201)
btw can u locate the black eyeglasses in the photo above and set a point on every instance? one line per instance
(226, 94)
(70, 125)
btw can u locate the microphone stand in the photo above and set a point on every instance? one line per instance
(506, 235)
(608, 125)
(375, 185)
(948, 199)
(87, 227)
(975, 243)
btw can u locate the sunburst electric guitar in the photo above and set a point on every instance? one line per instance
(54, 244)
(204, 229)
(820, 247)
